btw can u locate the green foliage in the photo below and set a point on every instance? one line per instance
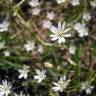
(21, 29)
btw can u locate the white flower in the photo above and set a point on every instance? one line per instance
(6, 53)
(81, 29)
(5, 88)
(47, 24)
(34, 3)
(2, 44)
(29, 46)
(4, 26)
(88, 88)
(86, 16)
(59, 33)
(35, 11)
(72, 49)
(93, 3)
(40, 75)
(75, 2)
(60, 1)
(40, 49)
(61, 85)
(23, 72)
(50, 15)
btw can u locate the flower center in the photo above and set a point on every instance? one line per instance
(60, 34)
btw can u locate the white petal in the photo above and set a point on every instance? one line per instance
(25, 76)
(63, 26)
(37, 71)
(54, 30)
(56, 84)
(63, 39)
(53, 35)
(81, 35)
(67, 30)
(64, 77)
(54, 38)
(67, 35)
(36, 77)
(20, 71)
(20, 76)
(1, 93)
(39, 80)
(92, 87)
(59, 26)
(60, 40)
(86, 33)
(88, 91)
(77, 26)
(56, 88)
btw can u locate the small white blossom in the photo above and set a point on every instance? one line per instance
(93, 3)
(47, 24)
(72, 49)
(34, 3)
(86, 16)
(75, 2)
(29, 46)
(88, 88)
(40, 49)
(36, 11)
(81, 29)
(61, 85)
(60, 1)
(40, 75)
(4, 26)
(5, 88)
(6, 53)
(2, 44)
(59, 33)
(50, 15)
(23, 72)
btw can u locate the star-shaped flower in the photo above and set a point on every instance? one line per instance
(23, 72)
(40, 75)
(59, 33)
(5, 88)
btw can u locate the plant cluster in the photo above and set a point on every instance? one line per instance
(47, 47)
